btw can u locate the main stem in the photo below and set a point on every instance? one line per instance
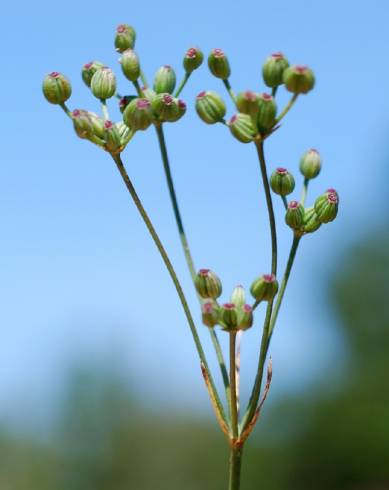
(235, 467)
(235, 452)
(174, 278)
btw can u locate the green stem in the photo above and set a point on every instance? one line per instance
(233, 395)
(274, 91)
(229, 90)
(304, 191)
(138, 89)
(235, 465)
(185, 246)
(66, 110)
(287, 108)
(284, 200)
(182, 84)
(174, 278)
(105, 109)
(143, 78)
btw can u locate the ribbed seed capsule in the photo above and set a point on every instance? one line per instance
(89, 69)
(245, 317)
(112, 138)
(181, 110)
(238, 296)
(264, 288)
(299, 79)
(192, 59)
(210, 312)
(241, 126)
(124, 38)
(165, 80)
(97, 124)
(103, 83)
(165, 107)
(311, 221)
(56, 88)
(149, 94)
(130, 65)
(228, 316)
(138, 115)
(282, 182)
(310, 164)
(208, 284)
(82, 123)
(247, 102)
(210, 107)
(294, 216)
(273, 70)
(218, 64)
(326, 206)
(267, 110)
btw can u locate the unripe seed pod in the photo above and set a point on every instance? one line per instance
(273, 69)
(124, 101)
(97, 124)
(228, 316)
(294, 216)
(124, 38)
(82, 123)
(165, 107)
(56, 88)
(299, 79)
(181, 110)
(267, 110)
(103, 83)
(247, 102)
(326, 206)
(130, 65)
(245, 317)
(282, 182)
(210, 313)
(192, 59)
(264, 288)
(210, 107)
(208, 284)
(218, 64)
(165, 80)
(310, 164)
(311, 221)
(89, 69)
(238, 296)
(241, 126)
(138, 115)
(112, 138)
(149, 94)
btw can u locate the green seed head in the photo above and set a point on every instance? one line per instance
(282, 182)
(326, 206)
(97, 124)
(247, 102)
(245, 317)
(181, 110)
(82, 123)
(89, 69)
(124, 38)
(299, 79)
(208, 284)
(294, 216)
(192, 59)
(165, 108)
(103, 83)
(264, 288)
(112, 138)
(165, 80)
(56, 88)
(273, 70)
(238, 296)
(311, 222)
(310, 164)
(228, 317)
(218, 64)
(130, 65)
(138, 115)
(267, 110)
(241, 126)
(210, 313)
(210, 107)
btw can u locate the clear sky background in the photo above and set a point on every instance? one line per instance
(80, 277)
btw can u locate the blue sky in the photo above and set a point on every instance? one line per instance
(80, 277)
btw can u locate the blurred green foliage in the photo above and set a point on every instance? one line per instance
(334, 438)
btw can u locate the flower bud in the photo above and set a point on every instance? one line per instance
(138, 115)
(245, 317)
(165, 80)
(165, 107)
(210, 312)
(97, 124)
(124, 38)
(228, 316)
(326, 206)
(130, 65)
(282, 182)
(192, 59)
(218, 64)
(241, 126)
(208, 284)
(112, 138)
(247, 102)
(181, 110)
(310, 164)
(264, 288)
(149, 94)
(238, 296)
(124, 101)
(89, 69)
(267, 110)
(311, 222)
(273, 69)
(294, 216)
(56, 88)
(299, 79)
(210, 107)
(82, 123)
(103, 83)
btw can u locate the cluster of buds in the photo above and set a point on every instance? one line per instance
(139, 111)
(257, 112)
